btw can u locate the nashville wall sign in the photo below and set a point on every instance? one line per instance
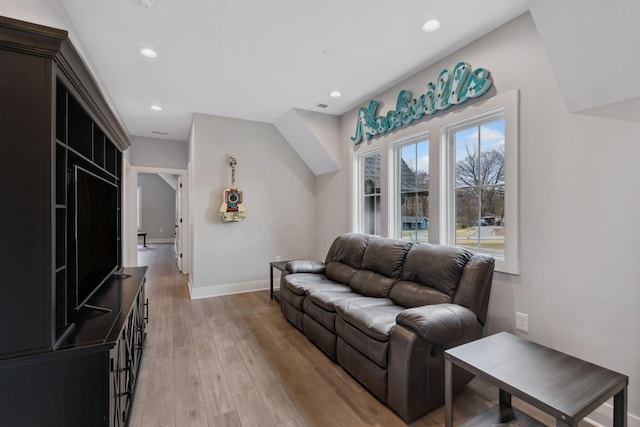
(452, 88)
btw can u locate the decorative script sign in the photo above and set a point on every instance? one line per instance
(452, 88)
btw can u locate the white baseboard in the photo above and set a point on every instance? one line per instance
(161, 240)
(226, 289)
(603, 416)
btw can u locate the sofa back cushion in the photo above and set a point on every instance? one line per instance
(345, 256)
(381, 267)
(412, 294)
(339, 272)
(433, 266)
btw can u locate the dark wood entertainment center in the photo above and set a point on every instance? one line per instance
(59, 366)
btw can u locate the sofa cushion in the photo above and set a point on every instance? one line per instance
(298, 283)
(442, 269)
(371, 284)
(348, 249)
(328, 300)
(339, 272)
(374, 317)
(385, 256)
(412, 294)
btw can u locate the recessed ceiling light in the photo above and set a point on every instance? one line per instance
(149, 53)
(431, 25)
(335, 94)
(156, 108)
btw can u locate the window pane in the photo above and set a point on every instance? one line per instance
(413, 173)
(372, 174)
(423, 165)
(371, 211)
(371, 196)
(467, 167)
(467, 233)
(492, 153)
(479, 181)
(408, 168)
(492, 221)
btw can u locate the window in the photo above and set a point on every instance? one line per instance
(479, 205)
(452, 181)
(370, 192)
(412, 178)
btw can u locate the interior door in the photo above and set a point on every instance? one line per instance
(178, 227)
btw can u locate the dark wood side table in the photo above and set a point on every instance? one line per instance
(278, 265)
(561, 385)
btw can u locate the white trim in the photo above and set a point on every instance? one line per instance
(226, 289)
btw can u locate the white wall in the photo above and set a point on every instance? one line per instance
(159, 153)
(158, 208)
(278, 191)
(579, 208)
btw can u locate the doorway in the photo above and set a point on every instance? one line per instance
(131, 219)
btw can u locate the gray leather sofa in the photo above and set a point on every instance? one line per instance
(386, 309)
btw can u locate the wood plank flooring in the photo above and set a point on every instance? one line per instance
(235, 361)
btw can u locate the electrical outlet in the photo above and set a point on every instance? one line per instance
(522, 322)
(162, 230)
(277, 258)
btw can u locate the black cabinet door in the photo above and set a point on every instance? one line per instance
(26, 211)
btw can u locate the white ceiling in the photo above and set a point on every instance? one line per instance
(256, 59)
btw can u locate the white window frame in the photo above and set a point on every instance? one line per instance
(507, 106)
(395, 180)
(358, 188)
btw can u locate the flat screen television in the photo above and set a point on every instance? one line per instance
(96, 233)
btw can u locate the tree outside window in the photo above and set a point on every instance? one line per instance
(480, 187)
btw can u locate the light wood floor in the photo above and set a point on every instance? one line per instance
(235, 361)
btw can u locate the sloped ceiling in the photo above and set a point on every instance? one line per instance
(593, 49)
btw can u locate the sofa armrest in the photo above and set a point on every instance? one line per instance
(438, 323)
(305, 266)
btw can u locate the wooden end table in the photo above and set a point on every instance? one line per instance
(561, 385)
(278, 265)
